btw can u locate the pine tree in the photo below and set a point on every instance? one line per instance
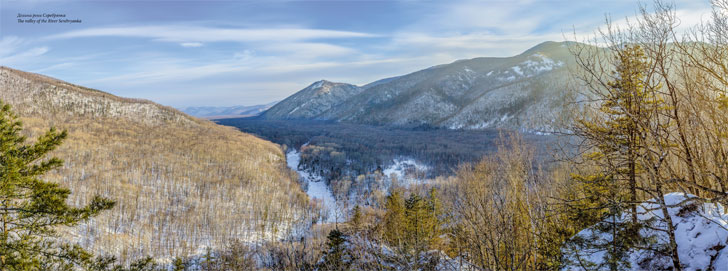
(210, 262)
(394, 219)
(357, 219)
(337, 256)
(31, 209)
(618, 136)
(179, 264)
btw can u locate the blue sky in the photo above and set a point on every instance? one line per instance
(222, 53)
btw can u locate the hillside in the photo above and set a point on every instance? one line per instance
(171, 174)
(526, 92)
(312, 101)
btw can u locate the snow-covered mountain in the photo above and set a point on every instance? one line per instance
(312, 101)
(526, 92)
(213, 112)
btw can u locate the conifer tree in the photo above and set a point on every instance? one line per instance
(412, 227)
(179, 264)
(356, 219)
(394, 219)
(616, 134)
(337, 256)
(32, 209)
(630, 133)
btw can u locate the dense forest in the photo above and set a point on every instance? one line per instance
(375, 147)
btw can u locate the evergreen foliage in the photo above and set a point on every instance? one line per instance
(357, 219)
(179, 264)
(412, 227)
(617, 134)
(337, 256)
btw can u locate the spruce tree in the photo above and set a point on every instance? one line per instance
(357, 219)
(617, 135)
(618, 132)
(337, 256)
(31, 209)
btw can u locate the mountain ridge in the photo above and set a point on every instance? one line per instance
(74, 104)
(524, 92)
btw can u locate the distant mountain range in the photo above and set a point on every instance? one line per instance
(219, 112)
(524, 92)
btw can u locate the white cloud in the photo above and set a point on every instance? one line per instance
(469, 29)
(686, 19)
(191, 44)
(9, 44)
(12, 51)
(308, 50)
(159, 71)
(24, 56)
(63, 65)
(244, 55)
(190, 34)
(498, 16)
(152, 73)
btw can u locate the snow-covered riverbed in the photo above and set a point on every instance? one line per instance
(317, 188)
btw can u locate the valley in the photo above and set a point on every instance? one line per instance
(377, 147)
(343, 165)
(434, 143)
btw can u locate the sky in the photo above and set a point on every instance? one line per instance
(224, 53)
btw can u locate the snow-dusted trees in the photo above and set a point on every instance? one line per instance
(654, 125)
(32, 209)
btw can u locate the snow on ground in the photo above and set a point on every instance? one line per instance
(539, 63)
(517, 70)
(380, 254)
(317, 188)
(701, 234)
(406, 170)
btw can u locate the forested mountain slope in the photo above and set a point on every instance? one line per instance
(181, 184)
(526, 92)
(312, 101)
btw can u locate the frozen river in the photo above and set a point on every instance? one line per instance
(317, 188)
